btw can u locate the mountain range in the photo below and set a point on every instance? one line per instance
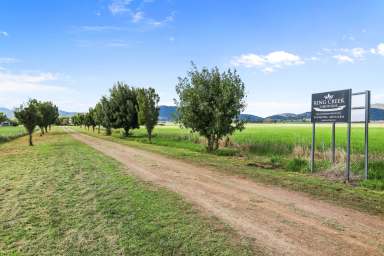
(9, 113)
(169, 113)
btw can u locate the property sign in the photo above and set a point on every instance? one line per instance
(331, 107)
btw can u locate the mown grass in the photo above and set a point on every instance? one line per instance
(61, 197)
(362, 198)
(8, 133)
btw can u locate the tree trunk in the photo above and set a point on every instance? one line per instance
(98, 129)
(93, 128)
(49, 127)
(210, 143)
(108, 131)
(46, 129)
(216, 143)
(30, 140)
(41, 131)
(150, 136)
(126, 132)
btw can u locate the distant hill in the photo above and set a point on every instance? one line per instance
(169, 113)
(378, 105)
(9, 113)
(251, 118)
(376, 114)
(63, 113)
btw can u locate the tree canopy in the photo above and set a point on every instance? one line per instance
(3, 117)
(148, 109)
(210, 103)
(124, 105)
(30, 116)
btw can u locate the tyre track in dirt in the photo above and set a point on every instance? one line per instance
(281, 222)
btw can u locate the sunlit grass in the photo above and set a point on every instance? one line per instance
(62, 197)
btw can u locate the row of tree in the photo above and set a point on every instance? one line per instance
(125, 108)
(36, 113)
(210, 103)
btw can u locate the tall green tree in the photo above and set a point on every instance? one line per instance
(50, 114)
(89, 119)
(98, 115)
(124, 107)
(210, 103)
(53, 115)
(107, 120)
(78, 119)
(29, 115)
(3, 117)
(148, 109)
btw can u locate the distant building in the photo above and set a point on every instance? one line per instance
(6, 123)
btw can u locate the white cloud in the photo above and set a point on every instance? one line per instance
(137, 16)
(160, 23)
(104, 44)
(343, 59)
(99, 28)
(282, 57)
(119, 6)
(6, 60)
(268, 63)
(379, 49)
(358, 52)
(249, 60)
(18, 87)
(14, 82)
(3, 33)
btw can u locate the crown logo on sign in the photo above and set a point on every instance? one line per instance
(328, 97)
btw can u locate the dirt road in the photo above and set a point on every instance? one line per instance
(279, 221)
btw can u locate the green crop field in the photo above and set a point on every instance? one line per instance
(273, 138)
(61, 197)
(287, 145)
(10, 132)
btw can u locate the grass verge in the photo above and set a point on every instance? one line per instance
(61, 197)
(9, 133)
(359, 198)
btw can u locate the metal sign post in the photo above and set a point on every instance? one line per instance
(333, 143)
(367, 118)
(336, 107)
(330, 107)
(313, 146)
(348, 162)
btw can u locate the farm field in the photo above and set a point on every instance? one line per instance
(10, 132)
(278, 138)
(285, 145)
(62, 197)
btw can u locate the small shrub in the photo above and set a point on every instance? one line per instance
(376, 170)
(373, 184)
(276, 161)
(227, 152)
(266, 148)
(297, 165)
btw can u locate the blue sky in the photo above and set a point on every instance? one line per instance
(72, 51)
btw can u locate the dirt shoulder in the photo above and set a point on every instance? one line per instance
(280, 221)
